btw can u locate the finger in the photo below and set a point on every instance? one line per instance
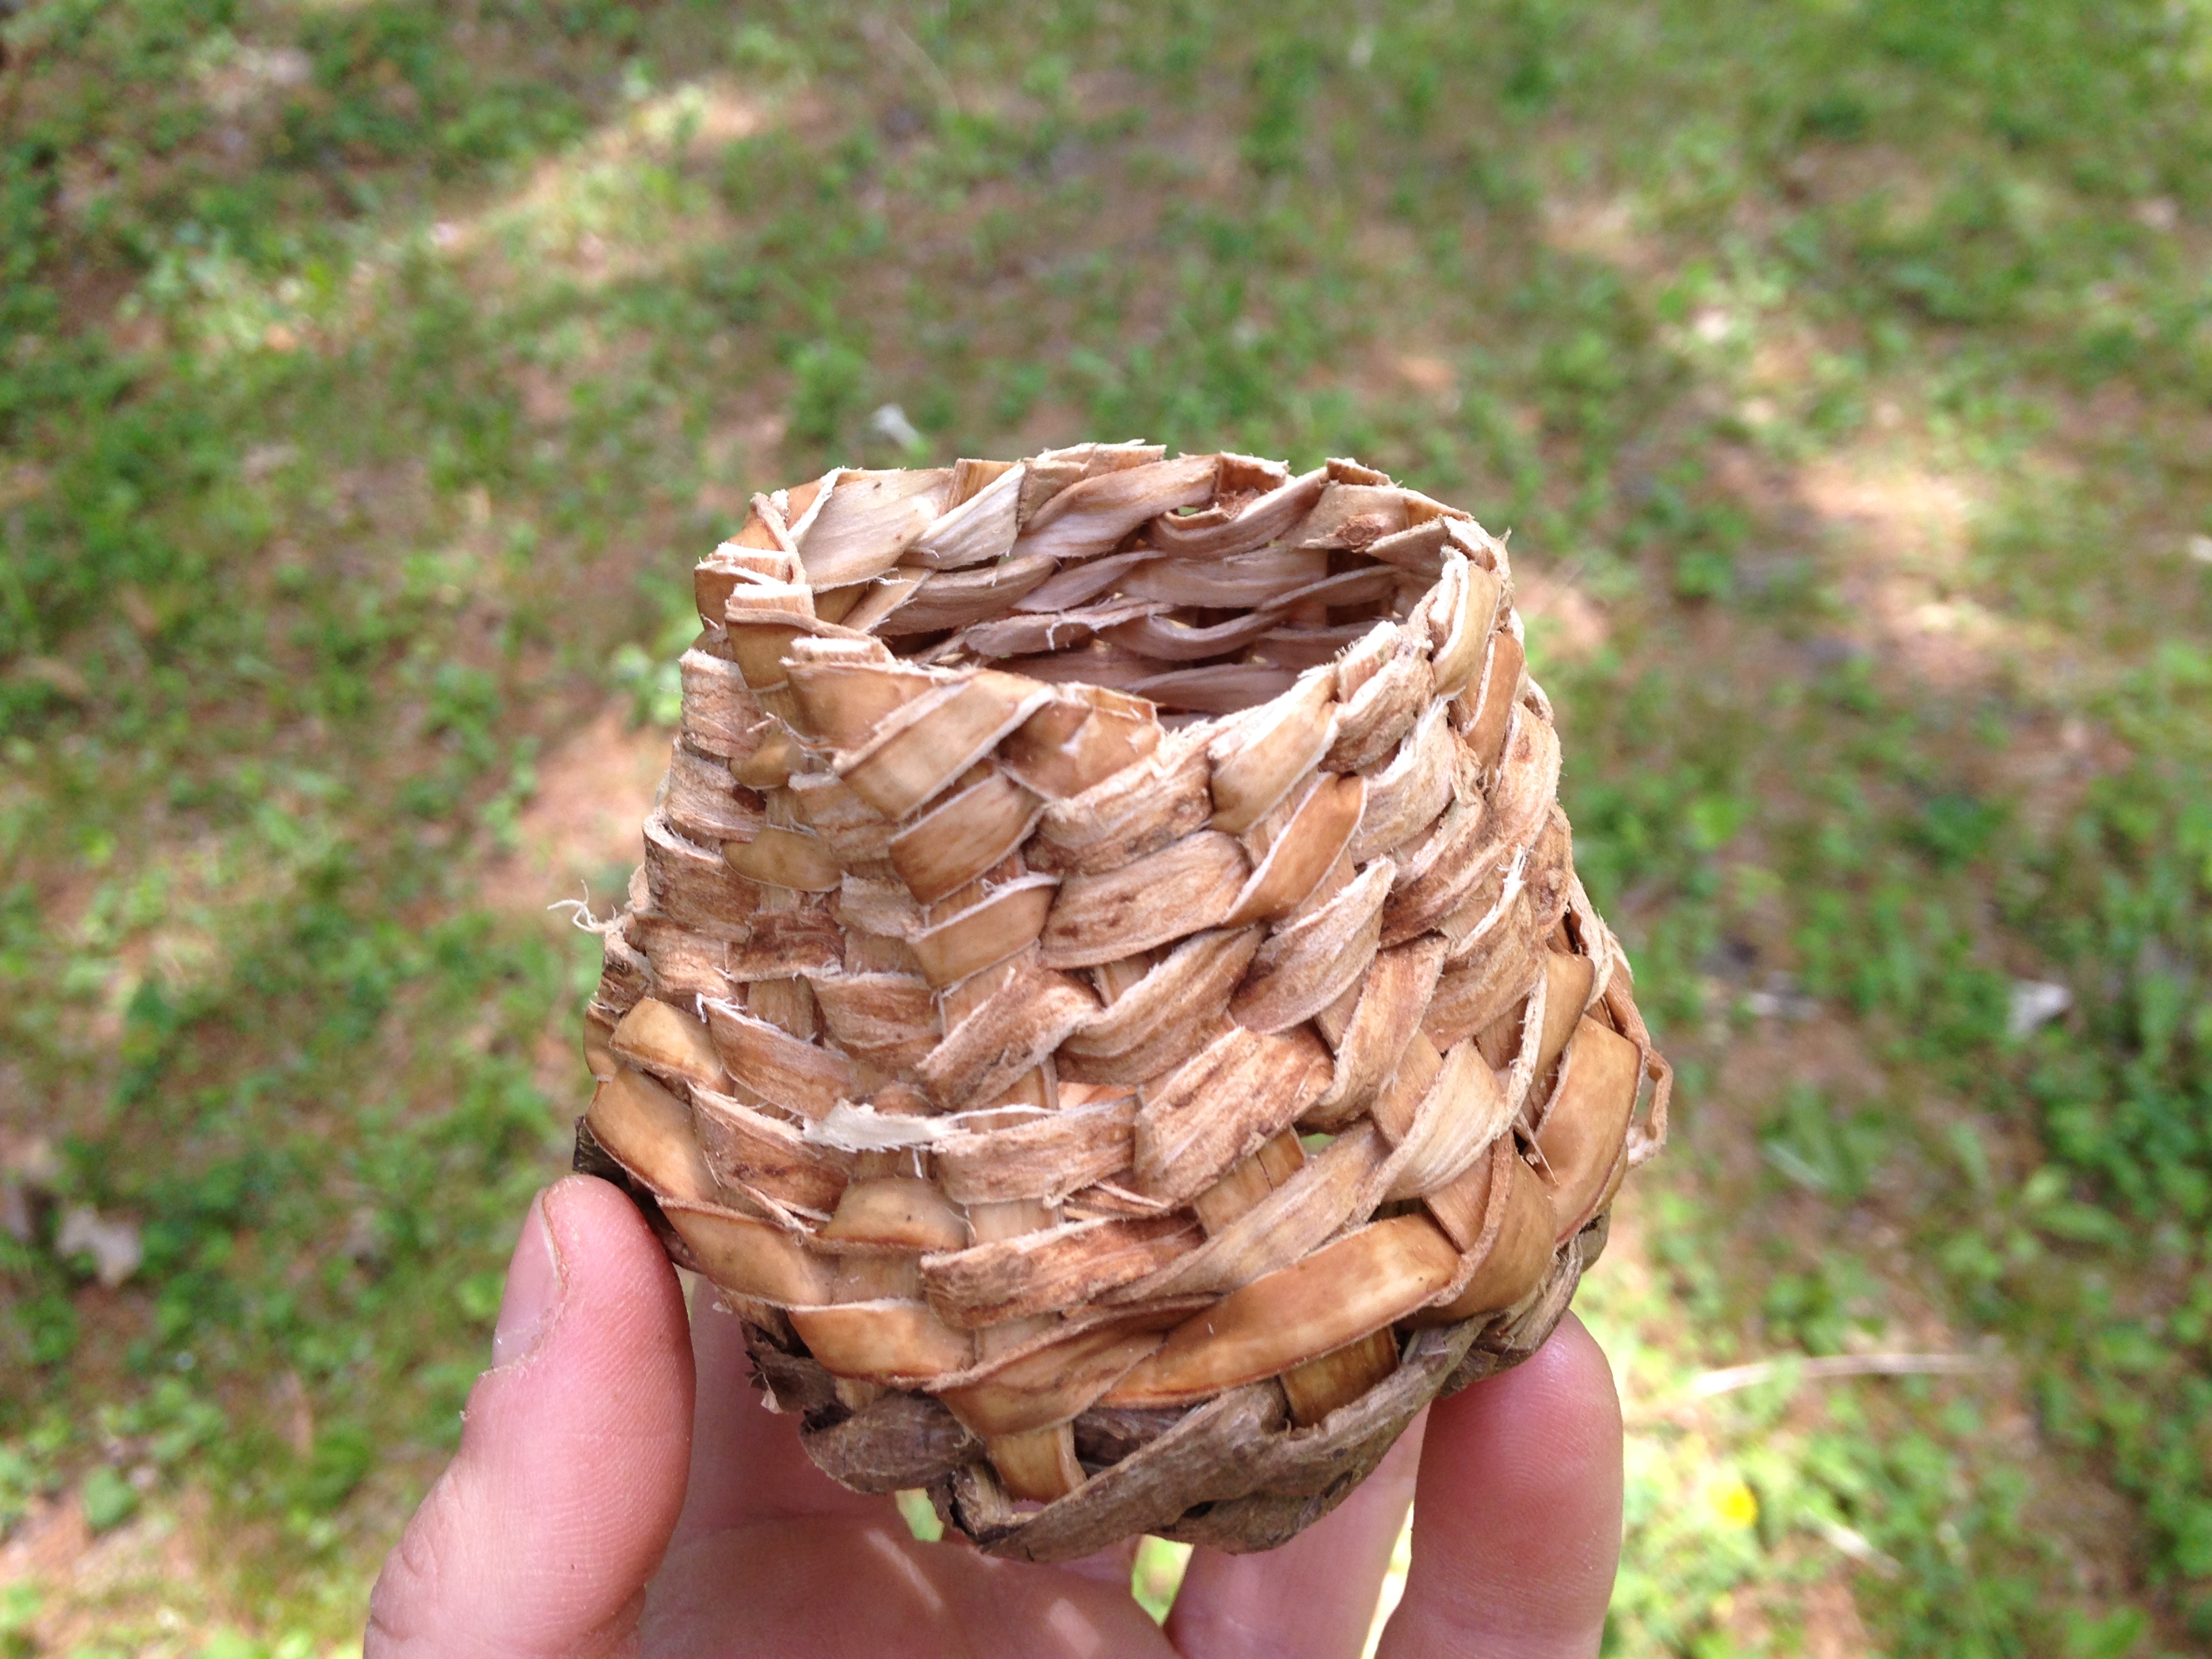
(1312, 1598)
(1516, 1530)
(827, 1585)
(539, 1536)
(746, 1462)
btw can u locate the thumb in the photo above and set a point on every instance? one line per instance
(539, 1536)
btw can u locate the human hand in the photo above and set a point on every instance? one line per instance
(592, 1510)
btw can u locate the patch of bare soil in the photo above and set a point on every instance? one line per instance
(594, 791)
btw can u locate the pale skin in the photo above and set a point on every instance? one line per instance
(619, 1490)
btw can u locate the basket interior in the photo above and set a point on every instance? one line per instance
(1228, 587)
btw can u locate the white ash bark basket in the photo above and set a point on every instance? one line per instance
(1107, 998)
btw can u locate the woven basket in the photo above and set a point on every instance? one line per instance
(1107, 998)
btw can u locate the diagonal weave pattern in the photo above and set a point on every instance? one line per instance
(1107, 998)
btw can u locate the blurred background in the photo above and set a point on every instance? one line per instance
(372, 372)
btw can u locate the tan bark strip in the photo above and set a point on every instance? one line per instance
(1498, 896)
(1568, 980)
(1216, 689)
(1166, 1015)
(1306, 1207)
(1089, 517)
(1458, 613)
(1528, 779)
(786, 858)
(956, 598)
(1338, 1294)
(1475, 992)
(1320, 829)
(1171, 641)
(1039, 1272)
(896, 1212)
(1012, 1031)
(989, 1223)
(1023, 633)
(1244, 582)
(656, 1037)
(1365, 658)
(1298, 648)
(1044, 1156)
(1309, 963)
(1648, 1137)
(599, 1046)
(700, 798)
(1586, 1122)
(1085, 735)
(925, 744)
(1217, 1107)
(625, 971)
(957, 841)
(721, 715)
(1128, 813)
(1398, 1103)
(1249, 1182)
(1353, 515)
(866, 604)
(1391, 999)
(867, 521)
(1513, 1253)
(1078, 583)
(894, 1274)
(1215, 534)
(650, 1131)
(1054, 1384)
(768, 1154)
(1260, 758)
(683, 964)
(889, 1020)
(845, 690)
(1464, 1111)
(1499, 690)
(1346, 587)
(763, 636)
(785, 1004)
(1037, 1465)
(777, 1066)
(694, 887)
(1182, 889)
(1319, 1386)
(978, 529)
(717, 576)
(901, 1343)
(857, 834)
(1462, 1206)
(1419, 550)
(751, 1258)
(1436, 875)
(803, 938)
(1055, 470)
(772, 761)
(1405, 797)
(1372, 720)
(970, 940)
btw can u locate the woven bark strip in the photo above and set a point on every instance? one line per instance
(1047, 846)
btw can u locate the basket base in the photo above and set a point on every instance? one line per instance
(1232, 1473)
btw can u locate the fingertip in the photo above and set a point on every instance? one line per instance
(1517, 1536)
(540, 1535)
(1313, 1597)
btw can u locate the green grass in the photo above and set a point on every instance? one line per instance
(370, 375)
